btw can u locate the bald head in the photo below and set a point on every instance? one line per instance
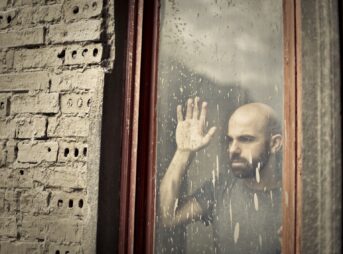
(257, 115)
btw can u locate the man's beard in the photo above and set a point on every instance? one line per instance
(243, 168)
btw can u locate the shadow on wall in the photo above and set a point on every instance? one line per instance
(109, 182)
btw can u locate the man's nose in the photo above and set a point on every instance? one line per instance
(234, 148)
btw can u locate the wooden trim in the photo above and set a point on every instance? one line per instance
(130, 128)
(145, 203)
(299, 134)
(292, 132)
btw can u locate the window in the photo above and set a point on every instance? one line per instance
(140, 179)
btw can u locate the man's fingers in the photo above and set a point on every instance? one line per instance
(203, 112)
(179, 113)
(209, 135)
(189, 111)
(196, 108)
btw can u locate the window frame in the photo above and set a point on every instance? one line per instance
(138, 189)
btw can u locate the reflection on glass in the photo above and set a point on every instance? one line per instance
(219, 149)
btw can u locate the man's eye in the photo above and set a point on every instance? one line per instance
(246, 139)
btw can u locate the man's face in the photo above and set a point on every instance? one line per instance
(248, 146)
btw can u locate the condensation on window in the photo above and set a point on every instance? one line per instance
(225, 55)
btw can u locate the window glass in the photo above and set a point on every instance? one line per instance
(219, 179)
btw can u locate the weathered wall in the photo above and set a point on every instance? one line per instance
(53, 58)
(321, 127)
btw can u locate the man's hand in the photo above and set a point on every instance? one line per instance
(190, 135)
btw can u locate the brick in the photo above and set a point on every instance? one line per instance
(3, 4)
(8, 226)
(8, 202)
(37, 152)
(2, 153)
(47, 103)
(51, 229)
(24, 81)
(35, 202)
(11, 148)
(6, 129)
(72, 151)
(17, 3)
(7, 17)
(65, 231)
(68, 205)
(39, 58)
(32, 36)
(60, 248)
(34, 127)
(81, 9)
(67, 178)
(20, 248)
(16, 178)
(6, 60)
(87, 54)
(34, 227)
(68, 127)
(75, 103)
(69, 80)
(47, 14)
(4, 104)
(80, 31)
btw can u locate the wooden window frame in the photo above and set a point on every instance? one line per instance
(138, 190)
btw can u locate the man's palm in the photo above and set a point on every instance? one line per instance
(190, 135)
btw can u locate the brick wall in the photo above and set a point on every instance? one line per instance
(53, 58)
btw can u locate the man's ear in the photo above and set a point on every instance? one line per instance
(276, 143)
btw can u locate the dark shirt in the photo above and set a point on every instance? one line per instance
(244, 221)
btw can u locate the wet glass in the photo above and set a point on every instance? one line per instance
(227, 196)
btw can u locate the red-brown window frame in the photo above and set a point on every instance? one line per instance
(137, 192)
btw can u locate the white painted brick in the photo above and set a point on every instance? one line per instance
(32, 36)
(69, 178)
(75, 103)
(34, 127)
(37, 152)
(34, 202)
(6, 60)
(7, 17)
(51, 229)
(66, 204)
(27, 2)
(2, 153)
(88, 54)
(11, 148)
(24, 81)
(16, 178)
(65, 230)
(81, 9)
(39, 58)
(48, 13)
(34, 227)
(69, 80)
(8, 202)
(8, 226)
(68, 127)
(21, 248)
(60, 248)
(27, 16)
(80, 31)
(4, 104)
(3, 4)
(6, 129)
(40, 103)
(72, 151)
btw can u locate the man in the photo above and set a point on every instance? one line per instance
(244, 206)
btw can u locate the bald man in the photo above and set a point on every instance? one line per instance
(244, 208)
